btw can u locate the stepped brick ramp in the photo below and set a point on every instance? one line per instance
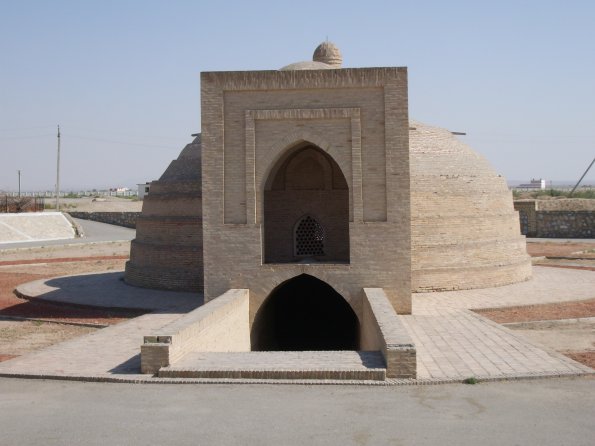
(335, 365)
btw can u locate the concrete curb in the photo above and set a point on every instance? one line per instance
(387, 383)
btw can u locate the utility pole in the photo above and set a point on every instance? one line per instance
(58, 175)
(579, 181)
(19, 183)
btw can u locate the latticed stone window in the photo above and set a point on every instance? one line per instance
(309, 237)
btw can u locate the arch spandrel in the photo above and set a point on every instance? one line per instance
(283, 275)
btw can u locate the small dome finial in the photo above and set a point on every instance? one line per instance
(328, 53)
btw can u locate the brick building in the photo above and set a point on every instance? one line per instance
(309, 184)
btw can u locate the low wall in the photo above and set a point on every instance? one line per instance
(126, 219)
(556, 218)
(221, 325)
(382, 330)
(565, 224)
(527, 218)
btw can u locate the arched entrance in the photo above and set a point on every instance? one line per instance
(305, 313)
(306, 209)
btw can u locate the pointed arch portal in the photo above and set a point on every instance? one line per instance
(306, 208)
(305, 313)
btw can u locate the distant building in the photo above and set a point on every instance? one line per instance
(534, 184)
(143, 189)
(125, 191)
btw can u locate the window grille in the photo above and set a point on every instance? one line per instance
(309, 237)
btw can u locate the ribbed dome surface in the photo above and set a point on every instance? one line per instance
(307, 65)
(328, 53)
(326, 57)
(167, 250)
(465, 232)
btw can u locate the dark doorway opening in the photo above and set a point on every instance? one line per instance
(305, 313)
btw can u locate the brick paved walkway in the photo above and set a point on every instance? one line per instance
(455, 343)
(452, 342)
(547, 286)
(462, 344)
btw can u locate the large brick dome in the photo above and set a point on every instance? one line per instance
(167, 251)
(464, 230)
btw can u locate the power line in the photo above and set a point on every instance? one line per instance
(92, 131)
(11, 138)
(91, 138)
(112, 141)
(26, 129)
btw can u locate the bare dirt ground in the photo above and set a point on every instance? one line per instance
(546, 312)
(568, 328)
(565, 249)
(103, 204)
(20, 337)
(75, 251)
(50, 323)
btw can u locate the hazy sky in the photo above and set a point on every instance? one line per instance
(122, 77)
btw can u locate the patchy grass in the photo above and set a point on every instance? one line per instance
(584, 193)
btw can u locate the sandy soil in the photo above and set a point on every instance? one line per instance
(568, 249)
(103, 204)
(99, 249)
(587, 358)
(563, 336)
(18, 337)
(567, 310)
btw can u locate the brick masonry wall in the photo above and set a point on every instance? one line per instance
(285, 208)
(359, 117)
(527, 217)
(126, 219)
(565, 218)
(383, 330)
(565, 224)
(218, 326)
